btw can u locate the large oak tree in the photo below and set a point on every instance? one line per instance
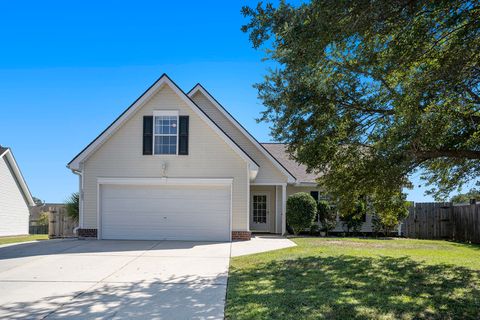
(368, 92)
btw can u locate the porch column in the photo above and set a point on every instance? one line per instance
(284, 209)
(278, 209)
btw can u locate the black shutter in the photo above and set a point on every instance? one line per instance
(183, 135)
(147, 135)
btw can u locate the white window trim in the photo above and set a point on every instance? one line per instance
(160, 113)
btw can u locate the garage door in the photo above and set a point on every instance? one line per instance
(161, 212)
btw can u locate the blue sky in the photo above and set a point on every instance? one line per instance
(67, 69)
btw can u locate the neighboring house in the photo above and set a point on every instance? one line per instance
(177, 165)
(14, 196)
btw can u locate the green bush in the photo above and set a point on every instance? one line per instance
(72, 206)
(301, 211)
(314, 229)
(327, 216)
(354, 217)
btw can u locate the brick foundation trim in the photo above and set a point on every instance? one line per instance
(241, 235)
(87, 233)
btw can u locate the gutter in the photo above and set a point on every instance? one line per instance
(79, 173)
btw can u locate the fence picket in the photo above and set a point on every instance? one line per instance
(443, 221)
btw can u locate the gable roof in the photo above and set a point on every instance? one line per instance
(74, 164)
(278, 164)
(7, 154)
(279, 151)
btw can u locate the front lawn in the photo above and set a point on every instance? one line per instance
(32, 237)
(348, 278)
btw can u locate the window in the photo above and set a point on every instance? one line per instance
(314, 195)
(165, 138)
(260, 209)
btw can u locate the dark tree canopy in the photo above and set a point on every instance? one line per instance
(473, 194)
(369, 92)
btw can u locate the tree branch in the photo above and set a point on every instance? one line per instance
(472, 94)
(459, 154)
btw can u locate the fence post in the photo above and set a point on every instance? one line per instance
(51, 224)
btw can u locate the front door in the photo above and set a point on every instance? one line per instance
(260, 209)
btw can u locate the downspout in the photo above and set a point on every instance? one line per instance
(80, 196)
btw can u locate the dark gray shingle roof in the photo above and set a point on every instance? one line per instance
(278, 150)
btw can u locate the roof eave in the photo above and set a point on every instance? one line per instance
(19, 177)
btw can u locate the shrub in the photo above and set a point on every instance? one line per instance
(301, 211)
(354, 217)
(327, 216)
(72, 206)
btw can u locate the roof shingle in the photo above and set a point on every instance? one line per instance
(278, 150)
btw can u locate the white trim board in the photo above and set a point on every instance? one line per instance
(127, 114)
(268, 184)
(166, 181)
(275, 162)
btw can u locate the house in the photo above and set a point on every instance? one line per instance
(15, 196)
(178, 166)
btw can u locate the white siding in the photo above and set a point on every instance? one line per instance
(209, 157)
(13, 208)
(267, 173)
(293, 189)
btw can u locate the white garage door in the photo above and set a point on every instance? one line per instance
(165, 212)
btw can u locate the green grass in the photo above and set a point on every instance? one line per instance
(349, 278)
(32, 237)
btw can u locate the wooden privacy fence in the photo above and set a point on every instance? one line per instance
(60, 225)
(443, 221)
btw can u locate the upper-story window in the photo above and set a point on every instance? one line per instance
(165, 134)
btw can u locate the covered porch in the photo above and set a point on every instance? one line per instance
(267, 207)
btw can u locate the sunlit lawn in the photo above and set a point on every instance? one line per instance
(32, 237)
(348, 278)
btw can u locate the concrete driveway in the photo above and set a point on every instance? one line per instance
(113, 279)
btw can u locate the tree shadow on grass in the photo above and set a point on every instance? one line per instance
(348, 287)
